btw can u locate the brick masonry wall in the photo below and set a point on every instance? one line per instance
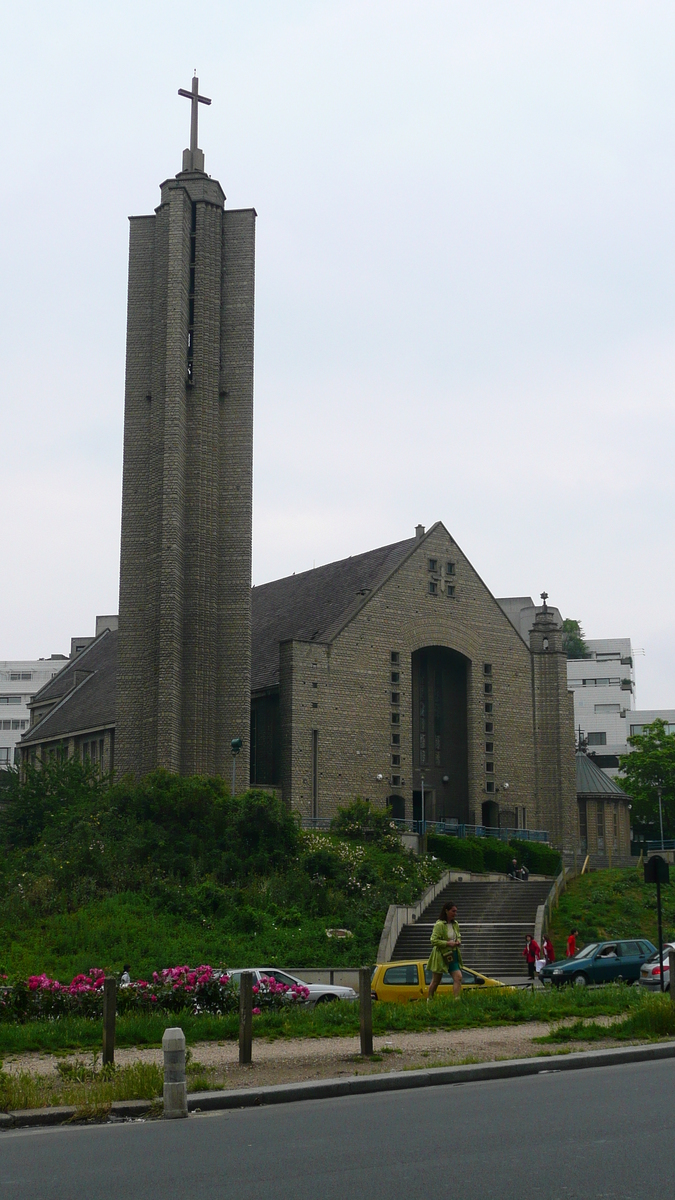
(184, 673)
(236, 488)
(342, 689)
(136, 669)
(352, 673)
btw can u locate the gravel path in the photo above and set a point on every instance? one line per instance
(297, 1059)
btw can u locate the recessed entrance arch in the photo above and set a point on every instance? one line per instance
(440, 740)
(396, 805)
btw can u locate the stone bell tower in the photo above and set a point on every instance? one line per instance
(183, 684)
(553, 730)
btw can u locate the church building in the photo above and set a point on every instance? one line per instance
(394, 675)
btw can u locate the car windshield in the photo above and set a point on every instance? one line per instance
(587, 951)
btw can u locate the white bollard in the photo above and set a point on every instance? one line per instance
(175, 1087)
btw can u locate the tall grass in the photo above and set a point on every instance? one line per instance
(92, 1093)
(654, 1017)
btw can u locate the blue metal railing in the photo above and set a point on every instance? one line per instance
(668, 844)
(451, 828)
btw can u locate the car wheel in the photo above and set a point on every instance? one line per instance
(326, 1000)
(580, 980)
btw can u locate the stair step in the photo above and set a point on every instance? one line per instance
(494, 918)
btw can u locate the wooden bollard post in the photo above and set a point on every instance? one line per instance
(671, 970)
(175, 1086)
(109, 1016)
(245, 1017)
(366, 1011)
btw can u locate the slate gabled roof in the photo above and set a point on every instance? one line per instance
(592, 781)
(90, 702)
(314, 605)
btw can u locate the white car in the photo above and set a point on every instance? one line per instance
(650, 972)
(319, 993)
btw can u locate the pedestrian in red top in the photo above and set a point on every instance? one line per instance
(531, 953)
(572, 943)
(547, 947)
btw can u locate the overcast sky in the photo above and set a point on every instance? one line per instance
(465, 288)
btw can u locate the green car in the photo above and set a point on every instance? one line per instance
(601, 962)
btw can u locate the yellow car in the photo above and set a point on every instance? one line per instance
(403, 982)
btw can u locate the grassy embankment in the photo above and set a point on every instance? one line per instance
(175, 871)
(608, 904)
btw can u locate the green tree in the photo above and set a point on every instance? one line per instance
(574, 643)
(650, 765)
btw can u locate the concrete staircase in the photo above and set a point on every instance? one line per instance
(493, 917)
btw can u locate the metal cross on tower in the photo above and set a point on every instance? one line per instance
(196, 158)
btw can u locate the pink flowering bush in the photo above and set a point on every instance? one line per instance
(197, 989)
(270, 994)
(41, 998)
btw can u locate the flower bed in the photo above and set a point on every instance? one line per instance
(176, 989)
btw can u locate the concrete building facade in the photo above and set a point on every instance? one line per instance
(185, 568)
(604, 697)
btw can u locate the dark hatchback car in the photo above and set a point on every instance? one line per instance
(601, 962)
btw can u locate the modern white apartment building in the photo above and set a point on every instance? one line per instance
(640, 717)
(19, 681)
(604, 698)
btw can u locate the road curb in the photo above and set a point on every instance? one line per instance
(68, 1114)
(357, 1085)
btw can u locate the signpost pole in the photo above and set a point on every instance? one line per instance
(656, 871)
(658, 909)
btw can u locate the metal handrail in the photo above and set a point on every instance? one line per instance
(449, 828)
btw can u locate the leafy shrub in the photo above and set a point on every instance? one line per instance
(361, 821)
(465, 853)
(537, 857)
(490, 854)
(175, 870)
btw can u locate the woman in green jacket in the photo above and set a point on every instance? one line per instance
(446, 954)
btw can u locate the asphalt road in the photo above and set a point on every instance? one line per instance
(602, 1133)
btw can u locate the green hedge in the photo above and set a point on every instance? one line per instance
(490, 854)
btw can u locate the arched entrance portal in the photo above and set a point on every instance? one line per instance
(397, 806)
(440, 742)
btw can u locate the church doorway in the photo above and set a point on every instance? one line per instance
(490, 814)
(440, 739)
(418, 813)
(396, 806)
